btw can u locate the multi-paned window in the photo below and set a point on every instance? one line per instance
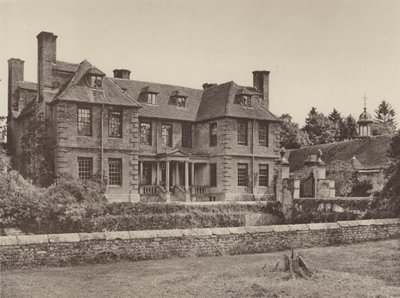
(243, 174)
(213, 175)
(213, 134)
(166, 134)
(115, 171)
(263, 175)
(151, 98)
(245, 100)
(85, 168)
(263, 133)
(84, 122)
(187, 135)
(242, 132)
(145, 133)
(115, 124)
(95, 81)
(180, 101)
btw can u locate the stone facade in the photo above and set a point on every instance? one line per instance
(152, 170)
(67, 249)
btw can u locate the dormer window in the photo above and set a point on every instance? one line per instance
(180, 102)
(95, 81)
(151, 98)
(245, 100)
(178, 98)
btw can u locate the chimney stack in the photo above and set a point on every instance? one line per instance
(208, 85)
(261, 83)
(15, 74)
(122, 74)
(46, 56)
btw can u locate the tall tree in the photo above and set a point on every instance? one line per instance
(291, 136)
(337, 121)
(320, 129)
(385, 122)
(348, 129)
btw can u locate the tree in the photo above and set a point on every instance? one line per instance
(385, 122)
(291, 136)
(320, 129)
(338, 123)
(348, 128)
(387, 203)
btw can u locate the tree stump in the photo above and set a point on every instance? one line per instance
(296, 265)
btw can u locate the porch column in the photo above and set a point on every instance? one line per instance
(186, 175)
(167, 195)
(141, 172)
(177, 182)
(187, 194)
(158, 173)
(192, 169)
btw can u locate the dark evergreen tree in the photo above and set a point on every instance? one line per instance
(385, 122)
(291, 136)
(348, 128)
(337, 121)
(319, 128)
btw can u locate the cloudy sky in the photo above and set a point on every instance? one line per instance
(322, 53)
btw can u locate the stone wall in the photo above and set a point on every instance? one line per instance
(67, 249)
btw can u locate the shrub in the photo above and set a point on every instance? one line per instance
(362, 187)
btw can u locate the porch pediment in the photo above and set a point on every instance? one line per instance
(173, 154)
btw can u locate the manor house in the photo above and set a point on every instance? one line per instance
(149, 141)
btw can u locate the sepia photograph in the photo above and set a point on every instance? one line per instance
(209, 148)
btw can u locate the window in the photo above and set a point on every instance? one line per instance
(245, 100)
(114, 171)
(263, 133)
(186, 135)
(180, 102)
(115, 124)
(213, 134)
(95, 81)
(242, 132)
(166, 134)
(263, 175)
(85, 168)
(151, 98)
(145, 133)
(213, 175)
(212, 198)
(243, 174)
(84, 122)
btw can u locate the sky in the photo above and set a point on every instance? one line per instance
(321, 53)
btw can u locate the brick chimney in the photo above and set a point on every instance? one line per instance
(261, 83)
(46, 56)
(15, 74)
(122, 74)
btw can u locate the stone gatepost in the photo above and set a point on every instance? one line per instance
(282, 173)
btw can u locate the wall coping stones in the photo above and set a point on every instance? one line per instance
(117, 235)
(220, 231)
(298, 227)
(8, 240)
(70, 237)
(32, 239)
(238, 230)
(126, 235)
(317, 226)
(169, 233)
(203, 232)
(281, 228)
(92, 236)
(143, 234)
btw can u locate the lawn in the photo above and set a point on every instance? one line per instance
(363, 270)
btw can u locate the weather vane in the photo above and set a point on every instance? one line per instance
(365, 101)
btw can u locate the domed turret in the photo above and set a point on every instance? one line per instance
(364, 122)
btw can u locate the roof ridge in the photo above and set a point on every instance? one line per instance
(162, 84)
(125, 93)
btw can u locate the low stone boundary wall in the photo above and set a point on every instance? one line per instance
(69, 249)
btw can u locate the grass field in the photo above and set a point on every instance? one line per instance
(363, 270)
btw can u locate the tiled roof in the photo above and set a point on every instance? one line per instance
(163, 108)
(110, 93)
(65, 66)
(219, 101)
(27, 85)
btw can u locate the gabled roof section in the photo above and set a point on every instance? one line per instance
(27, 85)
(65, 66)
(173, 153)
(110, 93)
(162, 109)
(179, 93)
(219, 101)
